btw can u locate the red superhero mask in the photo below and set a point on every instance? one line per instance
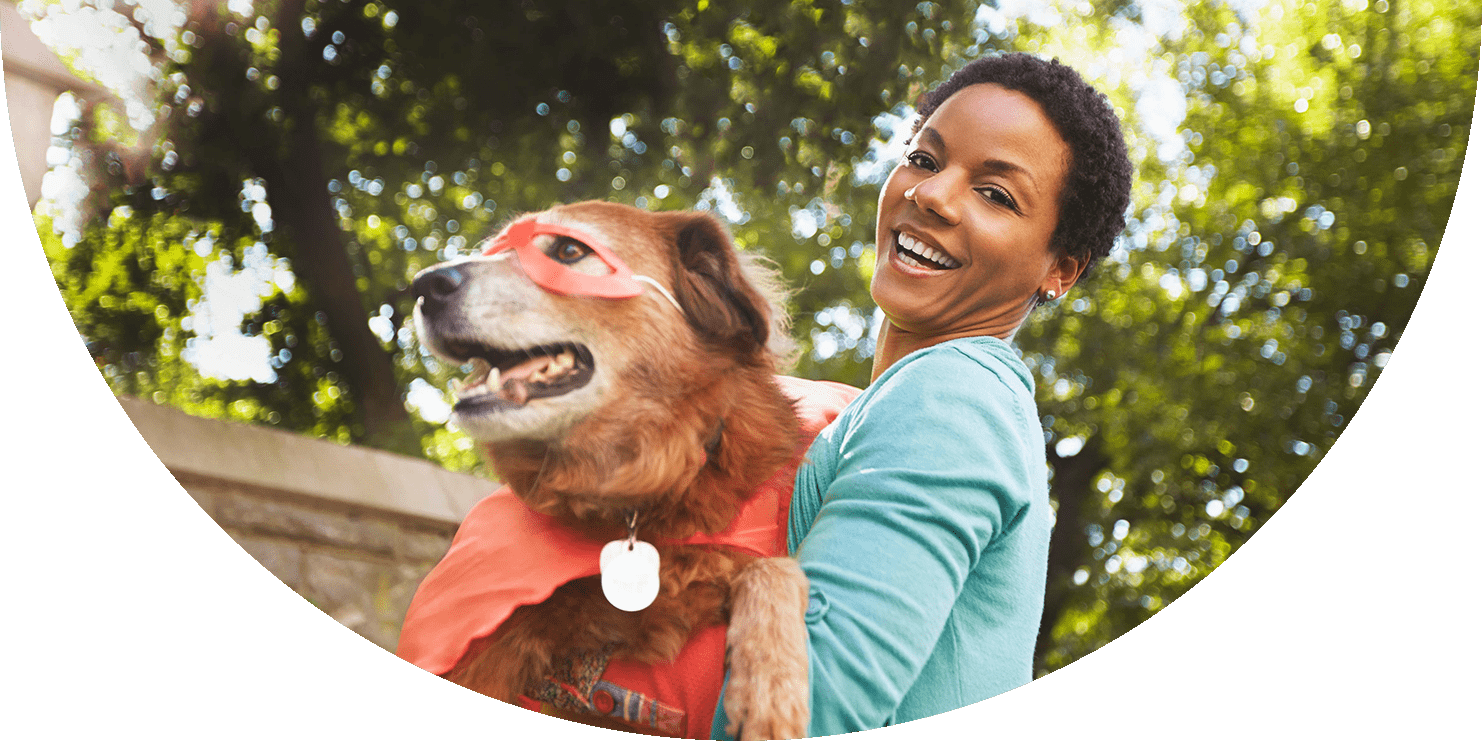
(556, 277)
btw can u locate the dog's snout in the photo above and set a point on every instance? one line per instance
(437, 286)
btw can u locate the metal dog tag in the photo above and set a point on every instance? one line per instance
(630, 574)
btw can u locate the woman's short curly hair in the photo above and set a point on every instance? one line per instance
(1098, 185)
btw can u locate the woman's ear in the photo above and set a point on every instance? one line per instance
(720, 304)
(1064, 273)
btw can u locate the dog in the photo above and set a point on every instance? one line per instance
(624, 388)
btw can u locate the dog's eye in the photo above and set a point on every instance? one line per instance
(567, 250)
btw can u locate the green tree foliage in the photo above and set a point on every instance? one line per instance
(1272, 267)
(382, 138)
(1279, 238)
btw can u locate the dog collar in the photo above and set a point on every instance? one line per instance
(553, 276)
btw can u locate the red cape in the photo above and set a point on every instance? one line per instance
(506, 555)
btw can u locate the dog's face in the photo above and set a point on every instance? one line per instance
(554, 326)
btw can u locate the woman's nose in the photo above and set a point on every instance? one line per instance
(934, 195)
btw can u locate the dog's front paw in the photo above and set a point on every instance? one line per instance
(767, 652)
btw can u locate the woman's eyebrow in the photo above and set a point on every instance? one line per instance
(936, 139)
(993, 165)
(1004, 167)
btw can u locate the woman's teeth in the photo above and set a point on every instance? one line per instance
(914, 252)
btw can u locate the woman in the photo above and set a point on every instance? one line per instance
(921, 517)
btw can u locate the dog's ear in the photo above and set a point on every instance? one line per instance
(719, 302)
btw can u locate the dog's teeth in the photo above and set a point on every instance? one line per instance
(470, 384)
(480, 367)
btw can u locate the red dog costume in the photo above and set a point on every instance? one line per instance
(505, 555)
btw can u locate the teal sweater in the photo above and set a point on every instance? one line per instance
(921, 517)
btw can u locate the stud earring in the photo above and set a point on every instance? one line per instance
(1049, 295)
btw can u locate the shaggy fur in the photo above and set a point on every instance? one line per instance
(688, 424)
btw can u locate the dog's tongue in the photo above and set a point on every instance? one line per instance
(524, 370)
(514, 384)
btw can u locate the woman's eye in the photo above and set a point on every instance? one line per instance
(922, 160)
(999, 196)
(568, 251)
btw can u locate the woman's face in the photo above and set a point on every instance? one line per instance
(965, 219)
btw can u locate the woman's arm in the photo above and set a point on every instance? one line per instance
(931, 469)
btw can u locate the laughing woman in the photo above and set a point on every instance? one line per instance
(922, 516)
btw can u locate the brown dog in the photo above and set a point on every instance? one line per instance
(624, 389)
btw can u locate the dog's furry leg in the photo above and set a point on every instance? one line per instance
(767, 652)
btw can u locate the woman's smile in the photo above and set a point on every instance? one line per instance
(914, 254)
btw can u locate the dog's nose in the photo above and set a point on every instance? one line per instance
(437, 286)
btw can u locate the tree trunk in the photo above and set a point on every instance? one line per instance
(302, 211)
(1072, 489)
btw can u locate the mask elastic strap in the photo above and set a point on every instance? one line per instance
(661, 289)
(657, 286)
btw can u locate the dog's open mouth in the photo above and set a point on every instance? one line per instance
(506, 379)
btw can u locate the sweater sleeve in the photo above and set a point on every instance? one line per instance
(931, 469)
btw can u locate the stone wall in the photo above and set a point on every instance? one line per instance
(350, 529)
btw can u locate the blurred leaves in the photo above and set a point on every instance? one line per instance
(1281, 231)
(1271, 268)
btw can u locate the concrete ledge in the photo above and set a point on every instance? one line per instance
(283, 461)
